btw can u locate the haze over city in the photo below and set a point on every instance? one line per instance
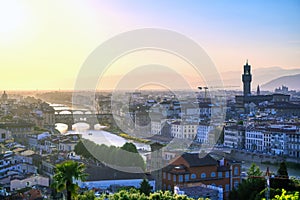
(128, 99)
(45, 43)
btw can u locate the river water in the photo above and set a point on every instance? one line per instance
(272, 168)
(103, 137)
(97, 135)
(107, 138)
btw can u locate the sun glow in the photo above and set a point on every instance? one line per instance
(13, 17)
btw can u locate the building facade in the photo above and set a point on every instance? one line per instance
(234, 136)
(191, 169)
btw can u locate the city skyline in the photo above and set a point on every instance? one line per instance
(44, 44)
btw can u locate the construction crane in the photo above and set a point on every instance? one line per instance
(224, 86)
(205, 91)
(213, 87)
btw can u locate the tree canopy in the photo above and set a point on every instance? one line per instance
(134, 194)
(110, 154)
(254, 187)
(249, 188)
(65, 174)
(145, 187)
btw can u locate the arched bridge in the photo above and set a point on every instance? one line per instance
(71, 112)
(91, 119)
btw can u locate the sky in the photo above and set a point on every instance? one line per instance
(43, 44)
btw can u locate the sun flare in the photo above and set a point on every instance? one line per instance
(12, 20)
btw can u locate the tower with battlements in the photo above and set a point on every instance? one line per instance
(247, 78)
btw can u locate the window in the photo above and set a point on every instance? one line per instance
(236, 171)
(213, 174)
(187, 177)
(220, 174)
(227, 174)
(203, 175)
(180, 178)
(236, 183)
(169, 177)
(193, 176)
(174, 178)
(227, 187)
(164, 175)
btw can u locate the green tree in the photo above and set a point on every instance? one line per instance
(145, 187)
(281, 180)
(285, 196)
(253, 171)
(282, 171)
(130, 147)
(110, 155)
(134, 194)
(251, 187)
(88, 195)
(65, 174)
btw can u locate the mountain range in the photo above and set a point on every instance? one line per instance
(268, 78)
(292, 82)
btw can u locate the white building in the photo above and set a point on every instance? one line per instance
(157, 124)
(254, 140)
(66, 145)
(278, 139)
(176, 129)
(279, 143)
(294, 144)
(183, 131)
(234, 136)
(17, 184)
(203, 133)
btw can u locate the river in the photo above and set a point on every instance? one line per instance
(107, 138)
(103, 137)
(98, 136)
(273, 168)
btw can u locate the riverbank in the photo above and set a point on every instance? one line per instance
(263, 161)
(288, 164)
(119, 133)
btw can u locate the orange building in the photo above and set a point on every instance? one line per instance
(191, 169)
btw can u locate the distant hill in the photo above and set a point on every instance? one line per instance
(292, 82)
(260, 76)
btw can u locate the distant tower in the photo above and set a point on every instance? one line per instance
(4, 96)
(247, 78)
(258, 90)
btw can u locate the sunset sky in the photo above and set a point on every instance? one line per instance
(43, 44)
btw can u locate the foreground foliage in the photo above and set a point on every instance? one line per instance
(254, 187)
(287, 196)
(65, 174)
(134, 194)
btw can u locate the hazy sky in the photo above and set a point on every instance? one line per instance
(43, 44)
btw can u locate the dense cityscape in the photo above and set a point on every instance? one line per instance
(149, 100)
(239, 145)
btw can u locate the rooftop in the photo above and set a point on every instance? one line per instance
(97, 173)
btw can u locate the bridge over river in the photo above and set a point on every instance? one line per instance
(71, 117)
